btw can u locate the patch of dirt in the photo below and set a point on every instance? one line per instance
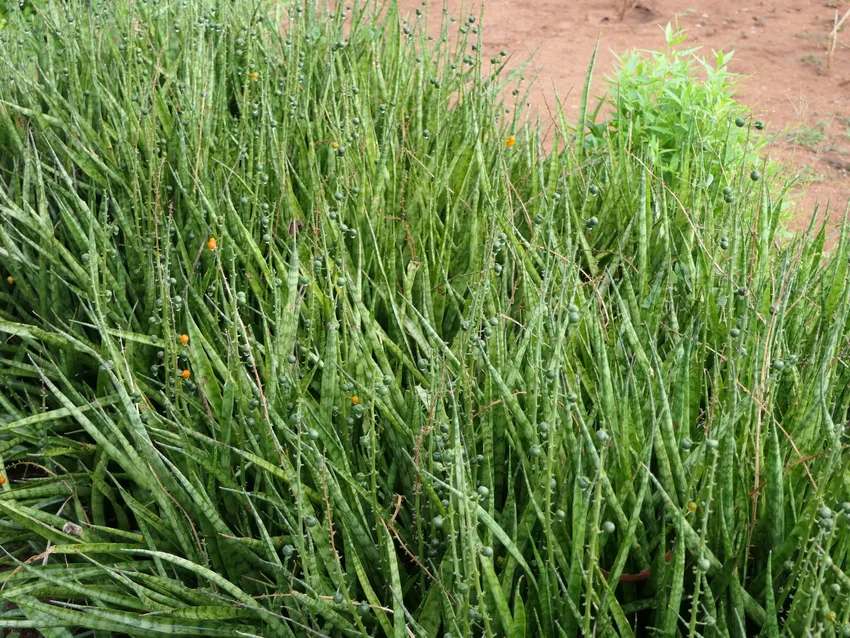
(780, 45)
(640, 14)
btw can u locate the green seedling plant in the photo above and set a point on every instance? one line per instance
(677, 106)
(304, 334)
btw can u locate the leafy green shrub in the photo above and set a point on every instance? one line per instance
(677, 106)
(25, 7)
(302, 336)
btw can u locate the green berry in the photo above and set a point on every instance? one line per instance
(608, 527)
(755, 176)
(739, 122)
(437, 522)
(339, 598)
(535, 450)
(486, 551)
(310, 521)
(759, 125)
(686, 444)
(703, 564)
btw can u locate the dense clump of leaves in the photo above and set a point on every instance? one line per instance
(303, 335)
(678, 108)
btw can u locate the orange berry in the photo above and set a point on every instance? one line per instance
(692, 507)
(334, 146)
(186, 374)
(212, 243)
(2, 480)
(255, 75)
(355, 400)
(510, 141)
(10, 279)
(184, 339)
